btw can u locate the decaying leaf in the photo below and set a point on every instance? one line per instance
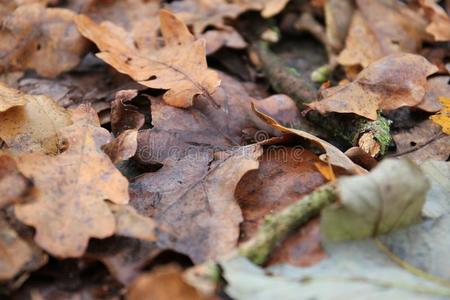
(422, 142)
(13, 184)
(380, 28)
(70, 207)
(10, 98)
(438, 86)
(391, 196)
(180, 66)
(43, 39)
(123, 147)
(34, 126)
(130, 224)
(443, 116)
(163, 283)
(394, 81)
(193, 200)
(439, 26)
(334, 155)
(124, 115)
(15, 252)
(268, 8)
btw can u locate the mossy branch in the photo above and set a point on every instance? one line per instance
(372, 136)
(278, 226)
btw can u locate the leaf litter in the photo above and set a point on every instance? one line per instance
(151, 150)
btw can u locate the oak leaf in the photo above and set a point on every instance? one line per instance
(34, 126)
(179, 67)
(394, 81)
(70, 207)
(379, 28)
(40, 38)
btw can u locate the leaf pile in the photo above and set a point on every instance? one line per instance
(224, 149)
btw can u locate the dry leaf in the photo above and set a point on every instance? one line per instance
(394, 81)
(443, 116)
(338, 14)
(379, 28)
(268, 8)
(204, 13)
(39, 38)
(439, 27)
(10, 98)
(334, 155)
(122, 147)
(422, 142)
(34, 126)
(216, 39)
(125, 116)
(180, 66)
(13, 185)
(15, 252)
(193, 200)
(69, 208)
(163, 283)
(130, 224)
(437, 86)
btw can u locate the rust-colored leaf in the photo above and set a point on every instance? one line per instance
(380, 28)
(34, 126)
(394, 81)
(163, 283)
(192, 199)
(44, 39)
(179, 67)
(69, 207)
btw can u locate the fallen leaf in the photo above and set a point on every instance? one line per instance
(193, 200)
(123, 147)
(389, 197)
(34, 126)
(13, 185)
(216, 39)
(268, 8)
(394, 81)
(163, 283)
(439, 26)
(436, 87)
(443, 116)
(334, 155)
(438, 173)
(422, 142)
(201, 14)
(70, 207)
(130, 224)
(10, 98)
(40, 38)
(184, 77)
(379, 28)
(125, 115)
(338, 15)
(15, 252)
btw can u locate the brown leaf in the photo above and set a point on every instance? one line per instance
(438, 86)
(216, 39)
(439, 27)
(163, 283)
(125, 116)
(130, 224)
(284, 176)
(201, 14)
(183, 77)
(15, 252)
(13, 185)
(39, 38)
(338, 15)
(34, 126)
(193, 200)
(123, 147)
(10, 98)
(333, 155)
(422, 142)
(70, 207)
(394, 81)
(379, 28)
(268, 8)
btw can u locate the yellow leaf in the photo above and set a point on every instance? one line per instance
(442, 117)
